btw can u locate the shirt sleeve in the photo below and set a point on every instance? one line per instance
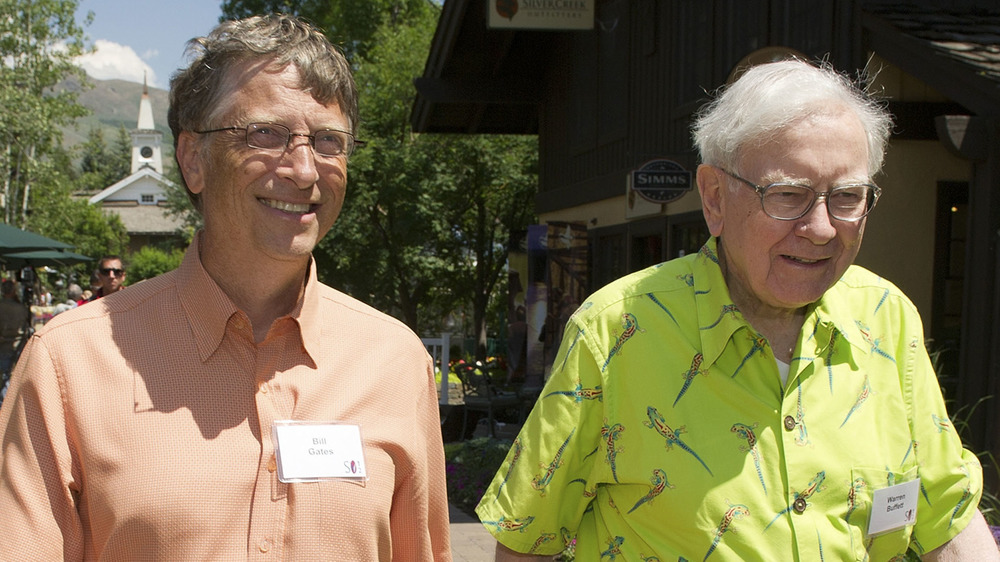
(419, 517)
(951, 478)
(39, 481)
(539, 495)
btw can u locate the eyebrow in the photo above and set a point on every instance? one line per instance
(808, 182)
(247, 121)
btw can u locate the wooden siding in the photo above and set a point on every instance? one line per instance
(624, 93)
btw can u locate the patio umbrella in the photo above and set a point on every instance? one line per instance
(13, 239)
(39, 258)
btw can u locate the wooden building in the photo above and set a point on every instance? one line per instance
(607, 100)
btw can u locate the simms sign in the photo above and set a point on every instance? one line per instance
(661, 181)
(541, 14)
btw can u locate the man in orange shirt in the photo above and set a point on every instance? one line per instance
(234, 408)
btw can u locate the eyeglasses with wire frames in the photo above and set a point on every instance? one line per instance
(786, 201)
(275, 138)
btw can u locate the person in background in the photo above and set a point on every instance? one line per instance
(14, 318)
(15, 326)
(74, 296)
(77, 294)
(763, 399)
(110, 276)
(234, 408)
(44, 297)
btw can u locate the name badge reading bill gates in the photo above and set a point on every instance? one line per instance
(313, 451)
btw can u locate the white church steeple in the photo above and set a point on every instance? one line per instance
(146, 139)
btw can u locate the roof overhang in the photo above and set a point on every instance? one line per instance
(955, 52)
(480, 80)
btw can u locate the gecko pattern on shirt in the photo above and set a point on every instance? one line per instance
(753, 466)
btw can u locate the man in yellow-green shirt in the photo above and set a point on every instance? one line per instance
(760, 400)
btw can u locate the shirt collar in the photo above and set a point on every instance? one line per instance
(831, 317)
(718, 317)
(208, 308)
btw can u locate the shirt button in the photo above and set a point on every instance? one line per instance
(272, 465)
(263, 388)
(799, 505)
(789, 423)
(264, 546)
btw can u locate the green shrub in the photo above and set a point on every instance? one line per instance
(149, 262)
(470, 466)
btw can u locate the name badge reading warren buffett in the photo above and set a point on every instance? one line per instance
(894, 507)
(312, 451)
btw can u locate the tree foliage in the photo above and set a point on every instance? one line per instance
(38, 39)
(352, 24)
(102, 165)
(424, 229)
(149, 262)
(495, 180)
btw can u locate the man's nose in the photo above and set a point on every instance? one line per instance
(817, 224)
(299, 162)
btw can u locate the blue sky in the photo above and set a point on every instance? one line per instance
(136, 36)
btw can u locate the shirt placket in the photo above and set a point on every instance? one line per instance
(270, 498)
(804, 477)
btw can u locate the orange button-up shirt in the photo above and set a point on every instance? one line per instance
(139, 427)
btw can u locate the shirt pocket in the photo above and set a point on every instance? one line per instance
(882, 546)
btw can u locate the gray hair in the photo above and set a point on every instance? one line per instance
(770, 97)
(74, 292)
(198, 92)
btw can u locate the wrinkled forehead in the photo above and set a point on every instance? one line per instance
(242, 75)
(833, 141)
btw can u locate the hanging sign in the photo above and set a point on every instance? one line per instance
(541, 14)
(661, 181)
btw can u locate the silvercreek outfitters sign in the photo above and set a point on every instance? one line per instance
(541, 14)
(661, 181)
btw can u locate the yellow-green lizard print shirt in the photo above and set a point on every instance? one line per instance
(664, 432)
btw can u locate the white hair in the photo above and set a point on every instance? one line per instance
(770, 97)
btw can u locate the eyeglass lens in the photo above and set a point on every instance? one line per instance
(271, 136)
(110, 270)
(787, 201)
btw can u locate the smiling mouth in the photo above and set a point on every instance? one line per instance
(297, 208)
(802, 260)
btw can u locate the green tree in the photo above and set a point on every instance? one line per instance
(385, 248)
(57, 214)
(425, 225)
(94, 162)
(120, 153)
(352, 24)
(149, 262)
(494, 181)
(38, 39)
(101, 164)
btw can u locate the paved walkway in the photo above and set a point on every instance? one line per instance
(470, 541)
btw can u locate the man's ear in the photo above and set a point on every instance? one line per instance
(189, 158)
(713, 188)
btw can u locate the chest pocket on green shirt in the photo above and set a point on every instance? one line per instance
(864, 482)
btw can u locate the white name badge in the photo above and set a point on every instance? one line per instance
(313, 451)
(894, 507)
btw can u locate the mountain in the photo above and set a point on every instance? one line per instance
(113, 104)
